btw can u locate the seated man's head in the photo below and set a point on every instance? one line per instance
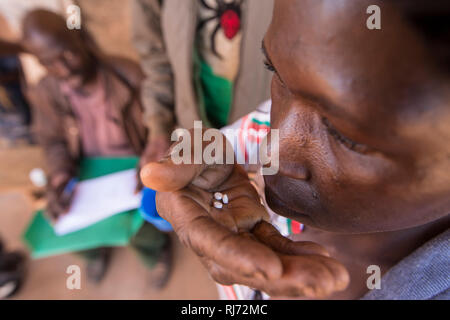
(364, 115)
(63, 52)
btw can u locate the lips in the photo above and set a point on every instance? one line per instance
(280, 207)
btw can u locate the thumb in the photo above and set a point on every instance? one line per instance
(166, 176)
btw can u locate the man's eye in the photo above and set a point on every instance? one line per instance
(350, 144)
(269, 66)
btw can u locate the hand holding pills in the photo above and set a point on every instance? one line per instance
(218, 214)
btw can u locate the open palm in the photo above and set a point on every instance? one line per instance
(236, 243)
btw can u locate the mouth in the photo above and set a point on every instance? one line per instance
(279, 206)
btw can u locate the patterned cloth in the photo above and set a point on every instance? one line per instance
(218, 48)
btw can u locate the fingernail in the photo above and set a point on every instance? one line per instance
(164, 158)
(145, 172)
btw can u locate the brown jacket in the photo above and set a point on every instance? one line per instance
(164, 32)
(56, 126)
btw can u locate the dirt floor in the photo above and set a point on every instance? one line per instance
(46, 278)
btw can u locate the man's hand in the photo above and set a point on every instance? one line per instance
(58, 200)
(235, 243)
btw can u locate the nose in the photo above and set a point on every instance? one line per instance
(294, 170)
(299, 136)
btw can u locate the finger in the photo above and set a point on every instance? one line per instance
(171, 175)
(51, 215)
(311, 276)
(167, 176)
(246, 213)
(227, 278)
(209, 239)
(218, 273)
(239, 215)
(269, 235)
(241, 202)
(339, 272)
(53, 210)
(293, 284)
(238, 185)
(65, 201)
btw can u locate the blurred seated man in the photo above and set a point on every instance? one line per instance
(87, 106)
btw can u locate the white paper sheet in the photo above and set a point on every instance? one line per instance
(98, 199)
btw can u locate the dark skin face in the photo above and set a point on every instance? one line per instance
(60, 50)
(362, 118)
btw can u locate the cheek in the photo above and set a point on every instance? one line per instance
(347, 179)
(365, 170)
(361, 194)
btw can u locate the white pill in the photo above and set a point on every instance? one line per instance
(218, 196)
(225, 199)
(218, 205)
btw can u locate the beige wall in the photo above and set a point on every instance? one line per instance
(109, 21)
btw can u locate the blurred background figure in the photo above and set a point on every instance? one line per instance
(200, 60)
(87, 106)
(14, 109)
(14, 130)
(12, 271)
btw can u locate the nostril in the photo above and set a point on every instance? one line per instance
(294, 170)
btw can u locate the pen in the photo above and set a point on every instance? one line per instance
(69, 188)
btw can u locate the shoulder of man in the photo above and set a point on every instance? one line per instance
(46, 89)
(423, 275)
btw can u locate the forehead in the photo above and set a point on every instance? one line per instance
(51, 42)
(324, 50)
(41, 43)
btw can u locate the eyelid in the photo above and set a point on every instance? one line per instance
(269, 66)
(347, 142)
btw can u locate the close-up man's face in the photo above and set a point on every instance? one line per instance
(363, 119)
